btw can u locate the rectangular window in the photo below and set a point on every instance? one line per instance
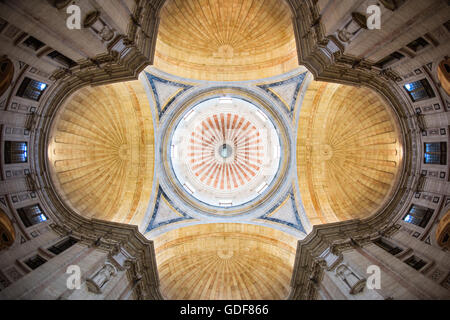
(415, 262)
(419, 90)
(418, 216)
(387, 246)
(35, 262)
(33, 43)
(418, 44)
(435, 153)
(62, 59)
(32, 215)
(390, 59)
(62, 246)
(16, 152)
(31, 89)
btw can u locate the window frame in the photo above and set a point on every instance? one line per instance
(27, 218)
(442, 153)
(424, 86)
(415, 256)
(29, 89)
(56, 250)
(379, 241)
(36, 256)
(416, 47)
(425, 220)
(10, 154)
(389, 60)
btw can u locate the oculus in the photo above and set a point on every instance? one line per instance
(225, 152)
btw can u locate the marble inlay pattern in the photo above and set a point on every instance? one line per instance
(204, 140)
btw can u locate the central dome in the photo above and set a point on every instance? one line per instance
(225, 152)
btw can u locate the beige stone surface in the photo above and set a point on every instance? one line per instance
(225, 261)
(226, 39)
(102, 152)
(348, 152)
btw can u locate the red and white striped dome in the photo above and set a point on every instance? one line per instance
(225, 152)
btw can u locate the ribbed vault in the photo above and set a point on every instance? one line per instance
(348, 152)
(225, 261)
(102, 152)
(226, 39)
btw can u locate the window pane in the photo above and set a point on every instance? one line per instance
(419, 94)
(435, 153)
(432, 147)
(415, 262)
(63, 246)
(33, 43)
(419, 90)
(32, 215)
(418, 44)
(35, 262)
(432, 158)
(418, 216)
(62, 59)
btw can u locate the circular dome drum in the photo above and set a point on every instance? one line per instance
(225, 152)
(220, 153)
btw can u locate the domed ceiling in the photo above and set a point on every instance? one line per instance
(225, 262)
(226, 39)
(349, 152)
(101, 152)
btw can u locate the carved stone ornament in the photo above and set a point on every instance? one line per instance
(97, 282)
(355, 283)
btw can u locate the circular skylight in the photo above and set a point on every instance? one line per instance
(225, 152)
